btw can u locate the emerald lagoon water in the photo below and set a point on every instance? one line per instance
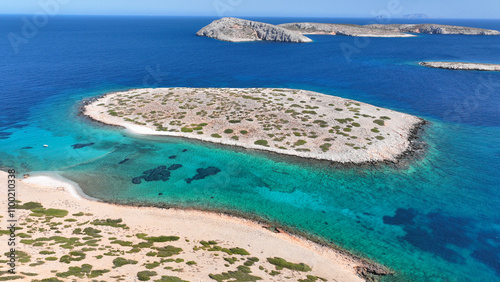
(435, 219)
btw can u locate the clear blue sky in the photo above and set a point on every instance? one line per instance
(307, 8)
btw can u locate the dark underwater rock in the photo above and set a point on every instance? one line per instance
(79, 146)
(136, 180)
(174, 167)
(203, 173)
(156, 174)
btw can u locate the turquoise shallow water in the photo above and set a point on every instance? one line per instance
(437, 219)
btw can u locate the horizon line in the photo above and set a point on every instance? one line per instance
(261, 16)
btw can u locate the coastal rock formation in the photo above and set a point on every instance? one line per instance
(435, 29)
(343, 29)
(461, 66)
(285, 121)
(238, 30)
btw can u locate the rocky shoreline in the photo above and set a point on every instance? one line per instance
(239, 30)
(461, 66)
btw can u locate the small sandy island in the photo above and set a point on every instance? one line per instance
(462, 66)
(70, 238)
(286, 121)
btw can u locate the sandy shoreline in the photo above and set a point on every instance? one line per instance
(345, 131)
(193, 225)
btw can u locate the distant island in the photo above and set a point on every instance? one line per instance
(286, 121)
(462, 66)
(239, 30)
(417, 16)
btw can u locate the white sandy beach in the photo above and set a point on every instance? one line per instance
(194, 226)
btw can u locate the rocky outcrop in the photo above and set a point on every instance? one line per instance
(461, 66)
(238, 30)
(342, 29)
(435, 29)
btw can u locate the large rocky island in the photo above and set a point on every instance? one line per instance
(286, 121)
(461, 66)
(239, 30)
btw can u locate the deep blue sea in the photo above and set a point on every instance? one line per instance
(435, 220)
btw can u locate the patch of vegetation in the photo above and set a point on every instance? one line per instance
(29, 206)
(46, 252)
(83, 271)
(168, 251)
(231, 260)
(161, 239)
(309, 112)
(170, 279)
(241, 274)
(216, 136)
(152, 265)
(325, 147)
(244, 132)
(379, 122)
(13, 277)
(110, 222)
(228, 131)
(73, 256)
(300, 142)
(39, 212)
(236, 251)
(122, 243)
(282, 263)
(274, 273)
(21, 256)
(261, 143)
(119, 261)
(52, 279)
(145, 275)
(50, 258)
(92, 232)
